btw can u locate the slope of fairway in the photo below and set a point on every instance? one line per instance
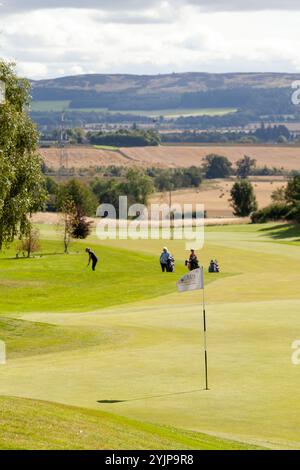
(29, 424)
(139, 354)
(57, 282)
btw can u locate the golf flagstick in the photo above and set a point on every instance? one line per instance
(205, 337)
(194, 280)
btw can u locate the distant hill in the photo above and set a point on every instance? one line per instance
(173, 83)
(186, 101)
(131, 92)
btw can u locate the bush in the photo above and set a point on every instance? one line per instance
(294, 214)
(29, 243)
(80, 227)
(273, 212)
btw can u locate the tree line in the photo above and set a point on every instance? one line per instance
(125, 138)
(264, 134)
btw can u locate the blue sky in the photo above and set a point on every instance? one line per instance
(66, 37)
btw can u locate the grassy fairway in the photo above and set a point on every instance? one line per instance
(42, 425)
(122, 341)
(63, 283)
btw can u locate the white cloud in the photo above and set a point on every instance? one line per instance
(157, 39)
(13, 6)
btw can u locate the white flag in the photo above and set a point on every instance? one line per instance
(191, 281)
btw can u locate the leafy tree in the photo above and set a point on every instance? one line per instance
(138, 186)
(52, 189)
(217, 166)
(276, 211)
(107, 191)
(80, 227)
(278, 196)
(245, 166)
(75, 136)
(22, 190)
(164, 180)
(243, 199)
(292, 193)
(80, 194)
(294, 214)
(286, 204)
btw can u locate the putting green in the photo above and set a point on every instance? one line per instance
(139, 354)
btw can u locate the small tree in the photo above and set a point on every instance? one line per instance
(243, 198)
(30, 242)
(216, 166)
(68, 209)
(245, 166)
(80, 227)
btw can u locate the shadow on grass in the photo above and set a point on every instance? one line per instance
(109, 402)
(283, 232)
(37, 256)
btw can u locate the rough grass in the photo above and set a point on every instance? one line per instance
(36, 425)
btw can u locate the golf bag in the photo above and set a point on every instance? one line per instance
(214, 267)
(171, 265)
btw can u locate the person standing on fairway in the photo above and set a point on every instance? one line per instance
(164, 259)
(92, 257)
(193, 262)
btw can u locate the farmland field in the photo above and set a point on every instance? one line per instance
(183, 156)
(116, 355)
(62, 105)
(175, 113)
(215, 195)
(44, 106)
(173, 156)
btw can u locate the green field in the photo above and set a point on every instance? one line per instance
(44, 106)
(114, 359)
(106, 147)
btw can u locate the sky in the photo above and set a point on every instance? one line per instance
(51, 38)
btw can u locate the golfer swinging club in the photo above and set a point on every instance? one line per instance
(92, 257)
